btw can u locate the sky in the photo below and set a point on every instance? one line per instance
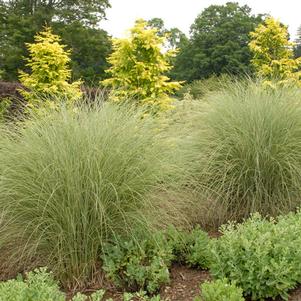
(182, 13)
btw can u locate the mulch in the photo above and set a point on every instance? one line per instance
(185, 284)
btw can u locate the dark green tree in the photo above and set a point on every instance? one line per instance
(175, 37)
(90, 48)
(75, 20)
(218, 43)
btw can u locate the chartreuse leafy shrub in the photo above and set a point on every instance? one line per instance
(220, 290)
(71, 182)
(139, 266)
(138, 67)
(246, 149)
(39, 285)
(50, 74)
(261, 256)
(273, 54)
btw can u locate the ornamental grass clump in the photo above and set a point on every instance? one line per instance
(72, 181)
(246, 149)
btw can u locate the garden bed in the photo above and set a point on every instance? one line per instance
(185, 286)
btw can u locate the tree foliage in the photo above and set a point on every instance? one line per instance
(20, 20)
(297, 48)
(90, 48)
(175, 38)
(49, 72)
(138, 67)
(218, 44)
(273, 55)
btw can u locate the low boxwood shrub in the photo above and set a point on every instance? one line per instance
(138, 265)
(220, 290)
(261, 256)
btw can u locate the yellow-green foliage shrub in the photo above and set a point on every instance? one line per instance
(50, 75)
(138, 67)
(273, 56)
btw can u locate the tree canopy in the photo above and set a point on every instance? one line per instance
(20, 20)
(175, 38)
(218, 44)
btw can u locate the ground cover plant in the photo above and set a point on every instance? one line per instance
(39, 285)
(220, 290)
(144, 265)
(189, 247)
(245, 149)
(261, 256)
(139, 266)
(70, 182)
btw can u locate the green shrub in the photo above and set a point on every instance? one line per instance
(137, 266)
(246, 149)
(191, 247)
(220, 290)
(70, 182)
(199, 249)
(261, 256)
(38, 286)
